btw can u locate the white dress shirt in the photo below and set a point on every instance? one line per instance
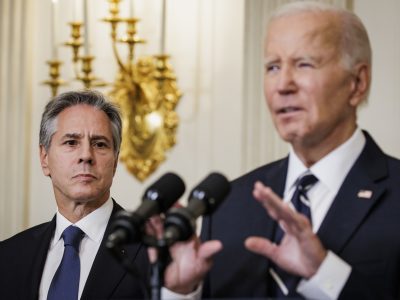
(94, 226)
(331, 171)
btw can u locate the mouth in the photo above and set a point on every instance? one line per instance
(84, 176)
(288, 110)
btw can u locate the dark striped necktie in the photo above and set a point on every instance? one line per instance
(284, 284)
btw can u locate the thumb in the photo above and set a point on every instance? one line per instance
(260, 246)
(208, 249)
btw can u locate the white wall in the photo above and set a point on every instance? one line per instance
(205, 40)
(381, 116)
(224, 124)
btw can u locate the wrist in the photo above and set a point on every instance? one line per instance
(183, 289)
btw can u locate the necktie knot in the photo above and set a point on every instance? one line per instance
(305, 182)
(72, 236)
(300, 199)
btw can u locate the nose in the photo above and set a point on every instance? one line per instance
(286, 82)
(86, 154)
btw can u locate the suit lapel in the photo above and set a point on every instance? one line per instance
(276, 178)
(359, 193)
(106, 272)
(276, 181)
(39, 247)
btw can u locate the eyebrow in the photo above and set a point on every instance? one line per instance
(79, 136)
(269, 60)
(313, 58)
(272, 59)
(72, 135)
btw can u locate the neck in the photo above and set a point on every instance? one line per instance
(310, 153)
(74, 211)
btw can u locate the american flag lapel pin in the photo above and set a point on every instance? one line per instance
(365, 194)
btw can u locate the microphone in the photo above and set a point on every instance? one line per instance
(180, 223)
(128, 227)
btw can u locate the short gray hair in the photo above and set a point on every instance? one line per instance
(72, 98)
(355, 43)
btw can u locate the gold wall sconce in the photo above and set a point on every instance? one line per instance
(145, 88)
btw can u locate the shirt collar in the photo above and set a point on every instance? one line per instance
(93, 225)
(332, 169)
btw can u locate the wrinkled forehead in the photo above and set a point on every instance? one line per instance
(315, 29)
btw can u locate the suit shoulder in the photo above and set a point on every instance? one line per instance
(24, 236)
(260, 173)
(393, 161)
(393, 170)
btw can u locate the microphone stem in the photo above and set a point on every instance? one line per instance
(157, 272)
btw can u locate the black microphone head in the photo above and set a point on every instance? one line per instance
(212, 190)
(166, 191)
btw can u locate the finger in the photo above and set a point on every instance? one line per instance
(154, 226)
(205, 256)
(299, 226)
(152, 253)
(290, 220)
(274, 205)
(261, 246)
(204, 251)
(208, 249)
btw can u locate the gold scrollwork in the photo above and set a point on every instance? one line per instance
(145, 88)
(147, 99)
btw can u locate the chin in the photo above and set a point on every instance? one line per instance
(86, 196)
(293, 133)
(288, 136)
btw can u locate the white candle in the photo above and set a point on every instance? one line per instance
(131, 8)
(53, 28)
(86, 27)
(77, 15)
(163, 18)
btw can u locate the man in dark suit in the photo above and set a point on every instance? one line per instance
(80, 137)
(317, 74)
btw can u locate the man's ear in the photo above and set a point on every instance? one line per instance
(44, 160)
(360, 84)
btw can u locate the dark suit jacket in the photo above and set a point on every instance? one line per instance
(22, 259)
(363, 232)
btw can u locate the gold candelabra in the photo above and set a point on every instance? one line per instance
(145, 88)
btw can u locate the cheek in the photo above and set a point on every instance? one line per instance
(58, 165)
(317, 99)
(268, 95)
(109, 166)
(267, 85)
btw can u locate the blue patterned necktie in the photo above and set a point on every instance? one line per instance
(300, 200)
(301, 203)
(65, 283)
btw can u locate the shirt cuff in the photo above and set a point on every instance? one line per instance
(329, 280)
(167, 294)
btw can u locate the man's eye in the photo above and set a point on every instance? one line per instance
(271, 68)
(100, 145)
(70, 142)
(305, 65)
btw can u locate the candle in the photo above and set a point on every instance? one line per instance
(163, 17)
(77, 15)
(86, 27)
(53, 28)
(131, 8)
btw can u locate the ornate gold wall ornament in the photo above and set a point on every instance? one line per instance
(148, 98)
(145, 88)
